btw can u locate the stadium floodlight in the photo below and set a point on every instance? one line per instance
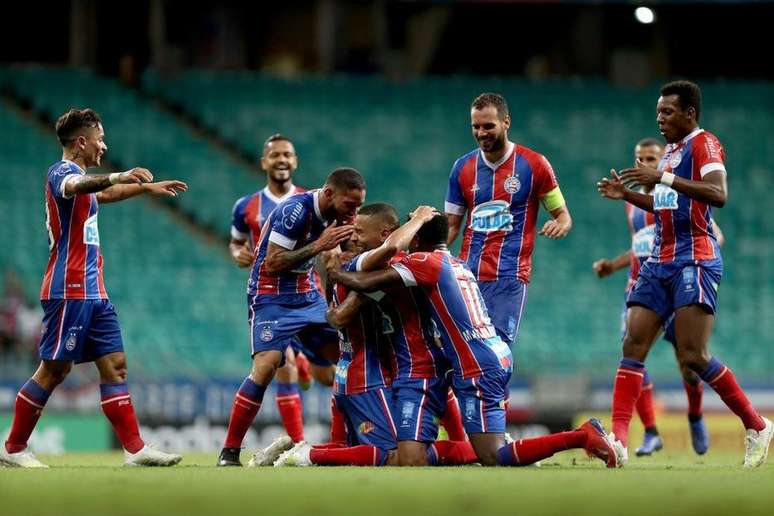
(645, 15)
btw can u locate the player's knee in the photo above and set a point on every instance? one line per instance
(413, 457)
(323, 375)
(287, 373)
(692, 359)
(264, 368)
(51, 374)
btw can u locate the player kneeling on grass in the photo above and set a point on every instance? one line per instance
(377, 333)
(482, 363)
(80, 323)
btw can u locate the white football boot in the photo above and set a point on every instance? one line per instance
(621, 452)
(297, 456)
(22, 459)
(757, 445)
(150, 456)
(271, 453)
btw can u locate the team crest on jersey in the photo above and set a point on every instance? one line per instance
(664, 198)
(366, 427)
(91, 231)
(512, 184)
(675, 159)
(266, 334)
(491, 216)
(70, 342)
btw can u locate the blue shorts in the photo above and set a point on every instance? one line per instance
(419, 405)
(482, 401)
(79, 330)
(368, 417)
(669, 327)
(665, 287)
(299, 323)
(505, 300)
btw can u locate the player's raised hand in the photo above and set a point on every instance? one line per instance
(603, 267)
(554, 229)
(166, 188)
(243, 257)
(424, 213)
(641, 174)
(332, 259)
(332, 236)
(137, 175)
(613, 187)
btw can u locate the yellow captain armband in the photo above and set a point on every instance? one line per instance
(553, 199)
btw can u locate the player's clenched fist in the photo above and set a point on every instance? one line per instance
(603, 268)
(333, 236)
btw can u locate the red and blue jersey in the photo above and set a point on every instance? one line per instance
(74, 269)
(502, 201)
(251, 212)
(469, 340)
(365, 360)
(683, 225)
(294, 223)
(411, 328)
(642, 226)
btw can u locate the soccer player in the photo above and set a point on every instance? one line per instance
(80, 323)
(683, 273)
(649, 152)
(284, 302)
(279, 161)
(500, 185)
(482, 362)
(389, 363)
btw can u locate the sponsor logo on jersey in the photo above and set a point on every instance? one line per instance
(491, 216)
(290, 214)
(643, 241)
(664, 198)
(91, 231)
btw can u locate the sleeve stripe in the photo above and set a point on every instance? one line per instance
(408, 278)
(454, 209)
(282, 241)
(66, 179)
(238, 235)
(359, 261)
(712, 167)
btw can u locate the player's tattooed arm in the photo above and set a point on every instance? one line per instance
(398, 240)
(279, 259)
(343, 314)
(366, 281)
(92, 183)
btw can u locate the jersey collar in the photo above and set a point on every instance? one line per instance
(509, 146)
(276, 199)
(77, 167)
(685, 140)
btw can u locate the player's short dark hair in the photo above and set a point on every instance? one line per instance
(688, 94)
(383, 212)
(650, 142)
(345, 178)
(71, 123)
(435, 231)
(492, 99)
(276, 137)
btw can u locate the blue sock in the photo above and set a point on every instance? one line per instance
(714, 367)
(646, 379)
(506, 457)
(34, 392)
(287, 389)
(251, 390)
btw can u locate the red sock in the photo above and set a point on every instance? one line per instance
(338, 428)
(117, 406)
(720, 378)
(452, 419)
(329, 446)
(451, 453)
(529, 451)
(626, 391)
(29, 406)
(695, 394)
(291, 410)
(247, 402)
(362, 455)
(645, 407)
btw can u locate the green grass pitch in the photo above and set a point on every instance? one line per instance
(668, 483)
